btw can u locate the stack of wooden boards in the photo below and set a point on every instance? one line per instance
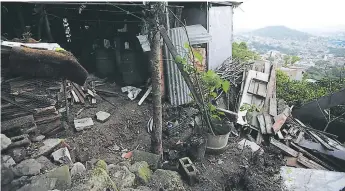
(80, 94)
(30, 107)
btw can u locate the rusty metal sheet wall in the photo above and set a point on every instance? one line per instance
(177, 87)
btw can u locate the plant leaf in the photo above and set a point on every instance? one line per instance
(226, 85)
(186, 45)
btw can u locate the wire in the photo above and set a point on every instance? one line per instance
(126, 11)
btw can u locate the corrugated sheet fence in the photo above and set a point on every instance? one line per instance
(177, 87)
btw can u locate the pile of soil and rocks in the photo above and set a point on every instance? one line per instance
(112, 142)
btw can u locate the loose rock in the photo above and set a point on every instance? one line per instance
(46, 163)
(6, 175)
(49, 146)
(27, 167)
(100, 179)
(122, 177)
(140, 188)
(77, 169)
(38, 138)
(62, 156)
(82, 124)
(150, 158)
(5, 142)
(142, 172)
(7, 161)
(17, 183)
(167, 180)
(102, 116)
(63, 177)
(40, 184)
(18, 154)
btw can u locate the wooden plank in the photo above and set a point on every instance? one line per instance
(280, 135)
(309, 163)
(299, 137)
(48, 127)
(267, 67)
(251, 87)
(262, 89)
(261, 120)
(80, 97)
(147, 94)
(45, 110)
(280, 119)
(306, 153)
(90, 93)
(273, 98)
(20, 122)
(261, 77)
(79, 90)
(268, 122)
(75, 97)
(284, 148)
(321, 141)
(47, 119)
(291, 161)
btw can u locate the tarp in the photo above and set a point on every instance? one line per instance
(300, 179)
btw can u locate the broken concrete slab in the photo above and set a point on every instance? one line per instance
(82, 124)
(5, 142)
(102, 116)
(7, 161)
(62, 156)
(253, 146)
(28, 167)
(48, 147)
(63, 177)
(300, 179)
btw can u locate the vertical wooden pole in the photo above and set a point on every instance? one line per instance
(156, 135)
(64, 84)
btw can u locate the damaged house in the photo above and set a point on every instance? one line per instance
(76, 104)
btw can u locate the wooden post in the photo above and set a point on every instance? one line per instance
(156, 135)
(64, 84)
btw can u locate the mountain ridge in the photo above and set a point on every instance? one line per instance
(280, 32)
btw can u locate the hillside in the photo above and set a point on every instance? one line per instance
(280, 33)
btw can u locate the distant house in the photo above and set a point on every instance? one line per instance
(295, 73)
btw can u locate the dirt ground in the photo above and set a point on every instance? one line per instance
(235, 169)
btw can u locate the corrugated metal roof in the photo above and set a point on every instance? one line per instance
(178, 89)
(197, 35)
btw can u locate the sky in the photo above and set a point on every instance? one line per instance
(296, 14)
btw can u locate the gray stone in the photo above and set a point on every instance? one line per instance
(77, 169)
(125, 163)
(6, 175)
(7, 161)
(39, 138)
(40, 184)
(5, 142)
(121, 176)
(19, 182)
(82, 124)
(62, 156)
(48, 147)
(63, 177)
(46, 163)
(139, 188)
(18, 154)
(27, 167)
(167, 180)
(142, 172)
(150, 158)
(102, 116)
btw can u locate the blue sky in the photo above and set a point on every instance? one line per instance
(297, 14)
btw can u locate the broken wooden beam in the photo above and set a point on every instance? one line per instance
(41, 100)
(44, 110)
(44, 129)
(24, 142)
(106, 92)
(91, 93)
(280, 119)
(47, 119)
(76, 86)
(145, 95)
(309, 163)
(20, 122)
(80, 97)
(284, 148)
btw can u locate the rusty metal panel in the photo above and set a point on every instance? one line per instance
(177, 87)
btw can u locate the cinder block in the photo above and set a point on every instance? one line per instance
(187, 170)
